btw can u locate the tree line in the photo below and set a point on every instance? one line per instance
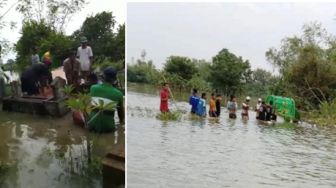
(227, 73)
(306, 64)
(43, 28)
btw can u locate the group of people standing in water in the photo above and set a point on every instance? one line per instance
(264, 112)
(198, 104)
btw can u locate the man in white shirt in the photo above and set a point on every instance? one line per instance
(85, 56)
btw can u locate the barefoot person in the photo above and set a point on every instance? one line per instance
(164, 96)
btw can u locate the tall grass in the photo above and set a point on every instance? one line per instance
(325, 115)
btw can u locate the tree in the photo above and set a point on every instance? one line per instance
(143, 72)
(307, 64)
(182, 66)
(229, 72)
(55, 13)
(260, 83)
(42, 36)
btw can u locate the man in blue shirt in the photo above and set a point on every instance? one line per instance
(193, 101)
(201, 106)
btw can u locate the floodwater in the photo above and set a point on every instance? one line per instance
(39, 152)
(224, 153)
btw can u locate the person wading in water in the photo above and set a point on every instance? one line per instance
(164, 96)
(193, 101)
(257, 108)
(212, 104)
(201, 107)
(245, 108)
(232, 107)
(218, 104)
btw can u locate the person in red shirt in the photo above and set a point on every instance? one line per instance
(164, 96)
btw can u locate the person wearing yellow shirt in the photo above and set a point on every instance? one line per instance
(47, 59)
(212, 104)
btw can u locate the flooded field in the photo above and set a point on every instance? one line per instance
(37, 152)
(223, 153)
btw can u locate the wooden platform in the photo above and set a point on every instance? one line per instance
(36, 105)
(114, 170)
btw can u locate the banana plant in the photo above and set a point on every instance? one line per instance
(68, 90)
(82, 103)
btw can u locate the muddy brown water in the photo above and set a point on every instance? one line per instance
(224, 152)
(38, 152)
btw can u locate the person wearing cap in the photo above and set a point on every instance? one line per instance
(85, 56)
(71, 68)
(257, 108)
(104, 121)
(245, 108)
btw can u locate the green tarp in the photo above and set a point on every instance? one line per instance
(285, 107)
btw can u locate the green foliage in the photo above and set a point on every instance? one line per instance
(307, 64)
(143, 72)
(229, 72)
(68, 89)
(325, 115)
(262, 83)
(181, 66)
(5, 170)
(84, 104)
(119, 65)
(175, 81)
(100, 105)
(40, 35)
(80, 102)
(169, 116)
(197, 81)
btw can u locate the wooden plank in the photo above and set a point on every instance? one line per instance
(114, 170)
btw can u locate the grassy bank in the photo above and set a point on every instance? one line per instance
(324, 116)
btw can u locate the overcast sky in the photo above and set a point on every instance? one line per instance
(118, 8)
(201, 30)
